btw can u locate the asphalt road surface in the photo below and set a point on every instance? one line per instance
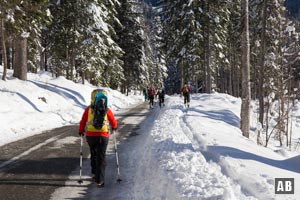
(34, 167)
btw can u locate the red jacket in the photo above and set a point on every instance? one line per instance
(183, 88)
(84, 119)
(151, 91)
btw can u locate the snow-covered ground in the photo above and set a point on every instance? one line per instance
(205, 152)
(197, 153)
(44, 102)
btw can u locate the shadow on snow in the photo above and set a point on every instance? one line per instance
(55, 89)
(24, 98)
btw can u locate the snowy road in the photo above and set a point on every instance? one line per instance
(34, 167)
(37, 166)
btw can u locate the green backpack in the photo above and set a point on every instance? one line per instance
(185, 89)
(99, 108)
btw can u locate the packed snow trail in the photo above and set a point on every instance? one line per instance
(195, 177)
(141, 179)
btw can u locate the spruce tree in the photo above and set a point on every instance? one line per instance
(83, 46)
(131, 39)
(23, 20)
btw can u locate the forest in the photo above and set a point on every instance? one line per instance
(219, 46)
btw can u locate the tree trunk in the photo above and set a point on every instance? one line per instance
(207, 49)
(67, 68)
(267, 119)
(4, 56)
(196, 83)
(72, 66)
(230, 80)
(46, 63)
(235, 78)
(9, 53)
(20, 59)
(262, 64)
(281, 114)
(246, 93)
(291, 129)
(290, 95)
(42, 59)
(83, 73)
(181, 74)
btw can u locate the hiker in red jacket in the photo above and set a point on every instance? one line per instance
(185, 90)
(95, 123)
(151, 94)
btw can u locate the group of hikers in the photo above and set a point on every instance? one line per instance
(150, 94)
(97, 121)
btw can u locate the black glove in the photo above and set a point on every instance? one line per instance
(81, 134)
(113, 130)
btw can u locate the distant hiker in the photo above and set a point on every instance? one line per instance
(151, 94)
(95, 123)
(145, 93)
(161, 97)
(185, 90)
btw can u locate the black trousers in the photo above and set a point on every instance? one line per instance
(161, 100)
(151, 98)
(186, 98)
(98, 145)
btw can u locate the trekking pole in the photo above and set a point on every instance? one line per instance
(117, 159)
(80, 170)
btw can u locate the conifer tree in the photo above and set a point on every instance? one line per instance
(23, 20)
(158, 53)
(272, 61)
(83, 39)
(131, 39)
(196, 35)
(246, 92)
